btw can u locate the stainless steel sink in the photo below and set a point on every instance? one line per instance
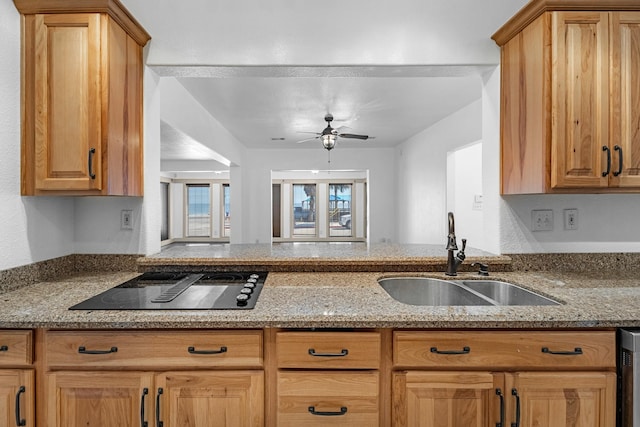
(426, 291)
(437, 292)
(507, 293)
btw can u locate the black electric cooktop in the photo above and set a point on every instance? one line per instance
(181, 291)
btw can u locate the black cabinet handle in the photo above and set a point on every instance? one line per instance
(619, 171)
(342, 411)
(19, 421)
(465, 350)
(342, 353)
(143, 422)
(501, 396)
(158, 422)
(514, 392)
(576, 351)
(4, 348)
(606, 172)
(192, 350)
(83, 350)
(92, 151)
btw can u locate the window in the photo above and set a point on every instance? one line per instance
(304, 210)
(198, 210)
(318, 208)
(226, 202)
(339, 210)
(164, 214)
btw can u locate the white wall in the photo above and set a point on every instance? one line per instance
(606, 223)
(464, 187)
(31, 228)
(180, 110)
(422, 179)
(257, 186)
(40, 228)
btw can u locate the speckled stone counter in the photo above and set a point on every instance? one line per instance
(338, 300)
(316, 257)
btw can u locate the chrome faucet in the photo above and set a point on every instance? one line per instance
(454, 261)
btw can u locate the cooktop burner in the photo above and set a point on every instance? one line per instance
(181, 291)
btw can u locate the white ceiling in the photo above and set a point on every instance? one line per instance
(273, 69)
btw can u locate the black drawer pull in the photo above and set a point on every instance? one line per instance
(83, 350)
(606, 149)
(575, 352)
(4, 348)
(19, 421)
(342, 353)
(92, 151)
(465, 350)
(514, 392)
(143, 422)
(619, 171)
(158, 422)
(342, 411)
(192, 350)
(501, 396)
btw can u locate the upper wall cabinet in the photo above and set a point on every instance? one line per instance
(81, 98)
(570, 100)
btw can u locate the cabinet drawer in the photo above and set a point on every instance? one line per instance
(328, 350)
(161, 349)
(325, 398)
(504, 349)
(16, 348)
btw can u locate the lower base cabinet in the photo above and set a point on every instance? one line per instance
(17, 397)
(354, 378)
(504, 378)
(203, 378)
(132, 399)
(210, 399)
(328, 398)
(480, 399)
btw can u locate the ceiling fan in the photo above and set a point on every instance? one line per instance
(329, 135)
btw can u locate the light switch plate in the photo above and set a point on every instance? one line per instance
(571, 219)
(126, 219)
(542, 220)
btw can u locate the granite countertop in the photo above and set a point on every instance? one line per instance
(316, 257)
(337, 300)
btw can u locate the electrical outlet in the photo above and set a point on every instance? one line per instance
(126, 219)
(571, 219)
(542, 220)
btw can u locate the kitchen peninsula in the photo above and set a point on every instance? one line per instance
(335, 285)
(326, 300)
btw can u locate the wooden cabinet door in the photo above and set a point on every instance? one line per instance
(105, 399)
(211, 399)
(580, 99)
(16, 397)
(68, 139)
(625, 99)
(446, 399)
(562, 399)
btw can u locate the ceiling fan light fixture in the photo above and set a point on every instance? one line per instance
(328, 141)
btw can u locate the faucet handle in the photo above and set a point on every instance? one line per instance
(484, 268)
(460, 255)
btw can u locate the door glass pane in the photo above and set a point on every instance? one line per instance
(226, 222)
(164, 211)
(340, 210)
(304, 210)
(198, 210)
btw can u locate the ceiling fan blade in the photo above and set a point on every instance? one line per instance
(353, 135)
(307, 140)
(302, 131)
